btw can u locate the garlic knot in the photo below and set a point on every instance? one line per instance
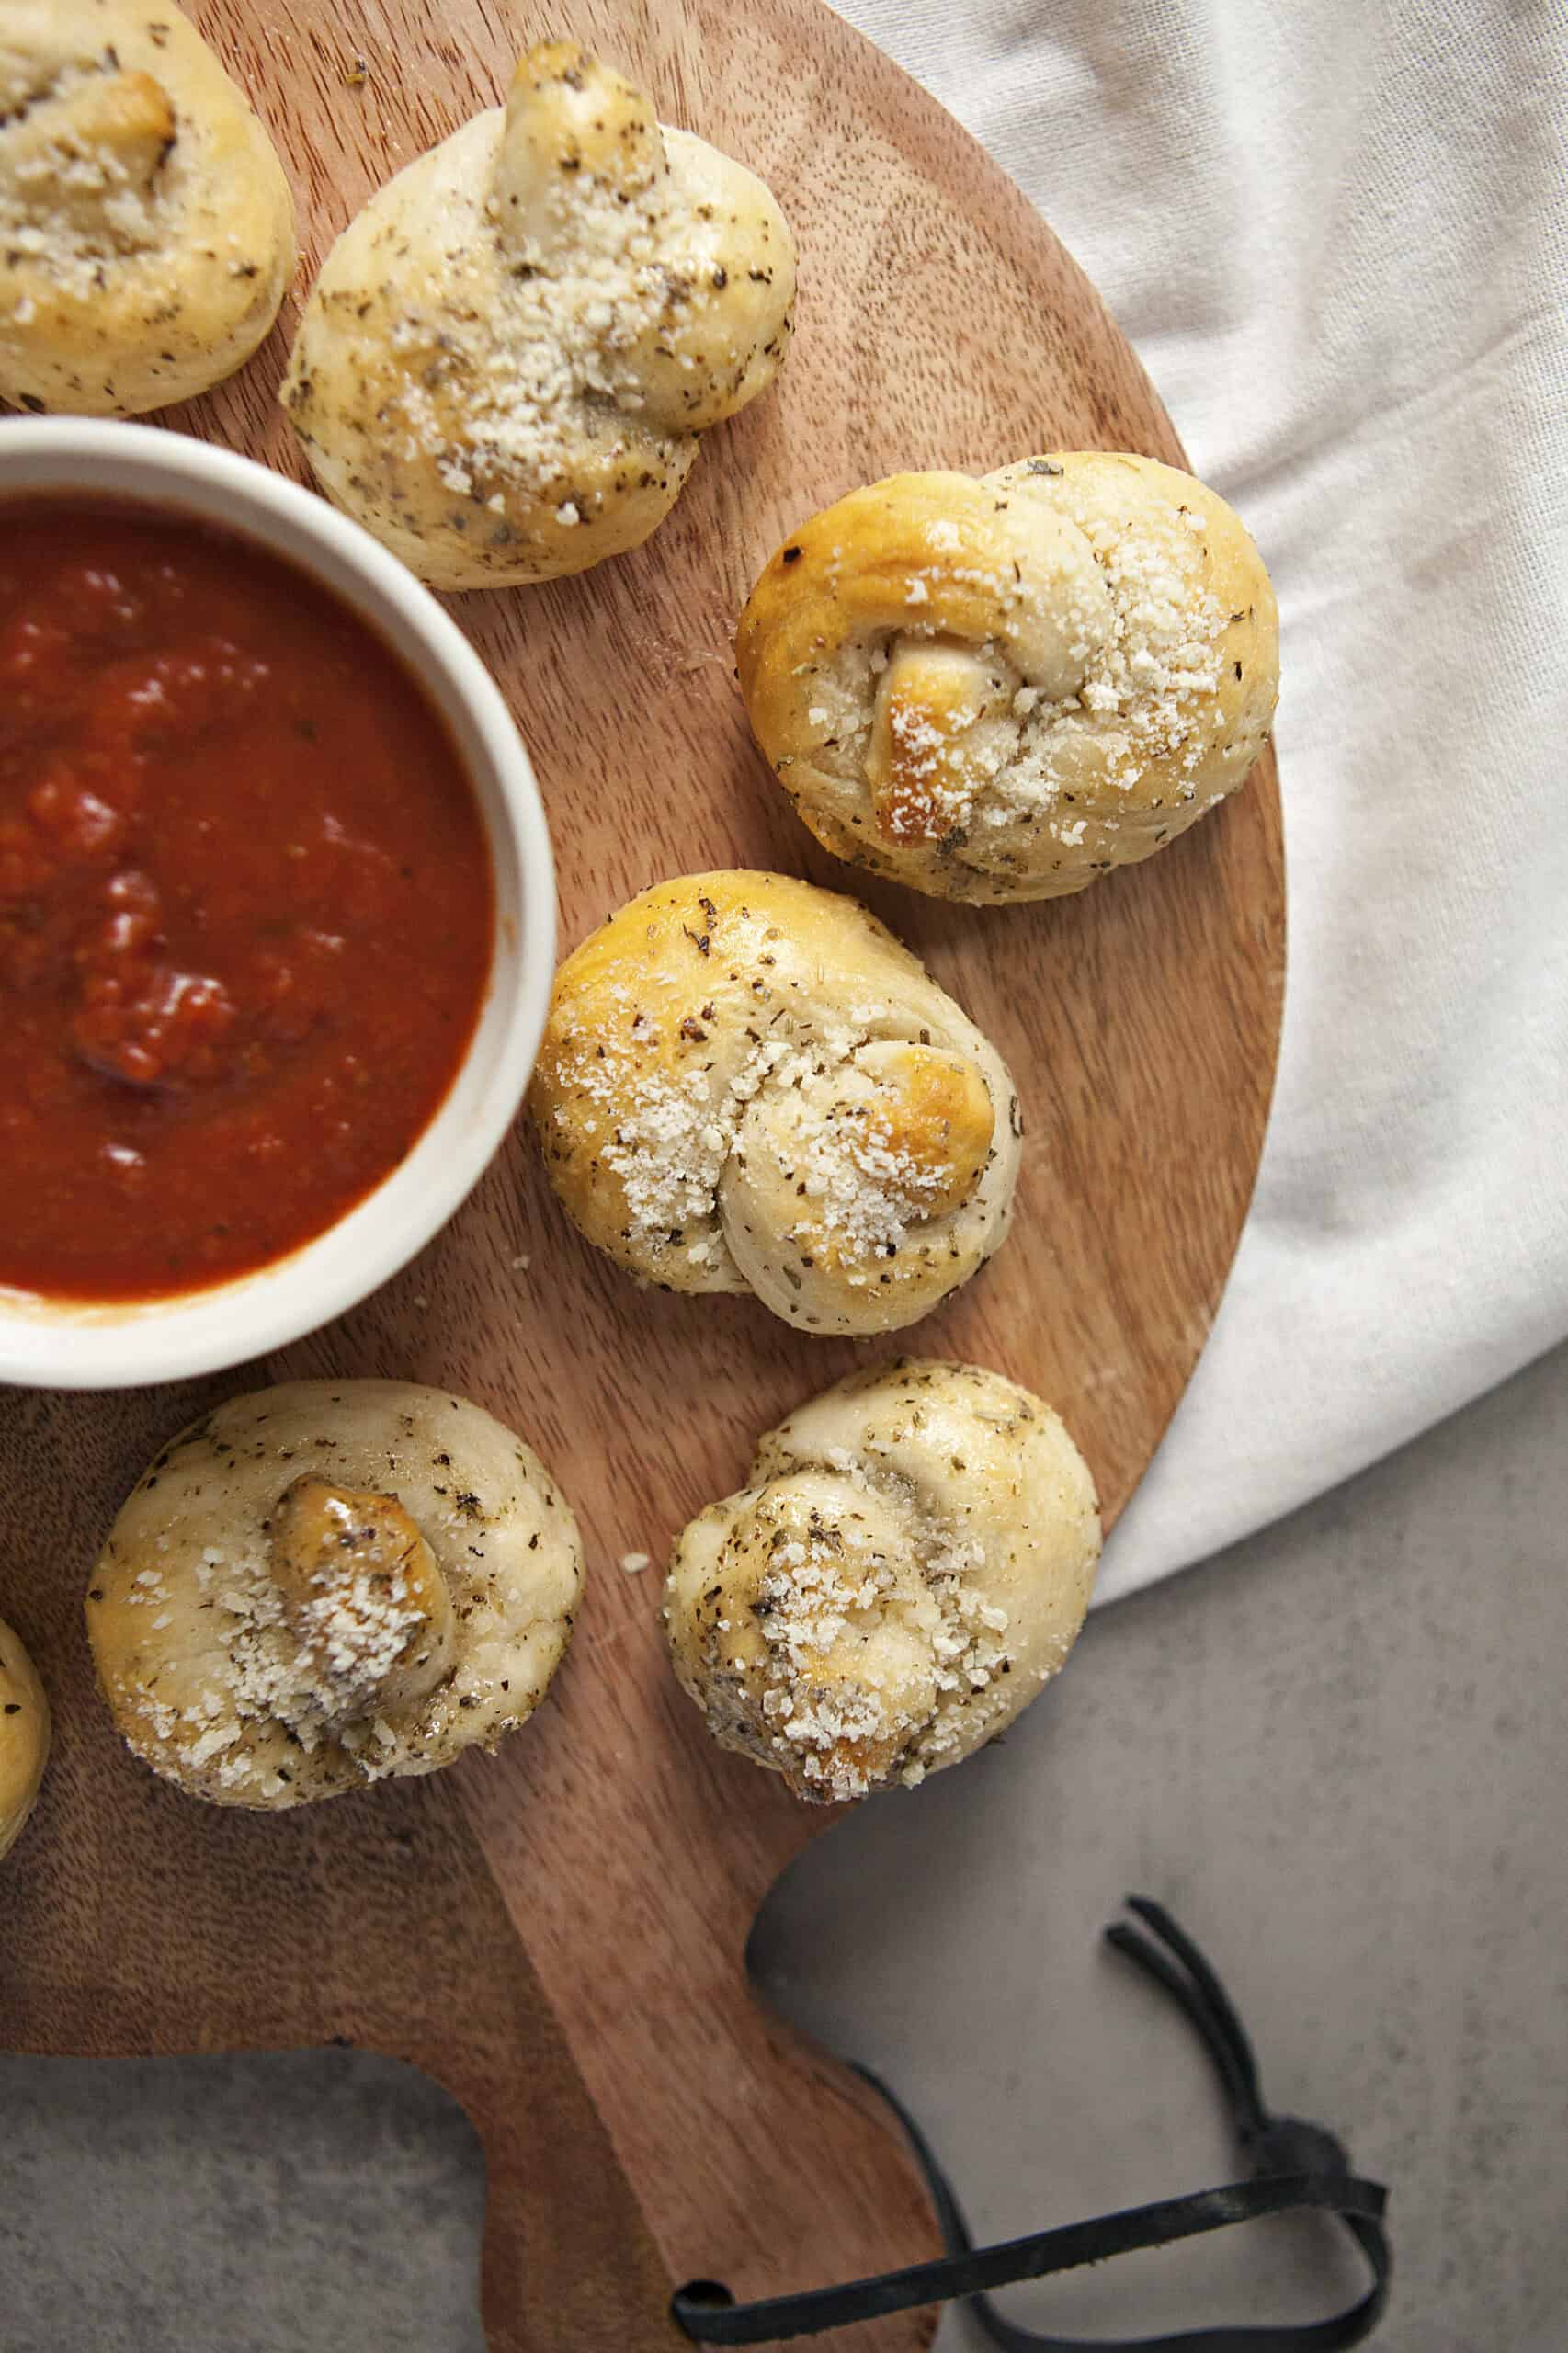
(908, 1566)
(1001, 689)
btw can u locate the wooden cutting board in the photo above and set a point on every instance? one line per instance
(558, 1934)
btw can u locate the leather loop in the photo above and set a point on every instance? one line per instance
(1295, 2165)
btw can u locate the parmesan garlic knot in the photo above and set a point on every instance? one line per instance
(1001, 689)
(909, 1563)
(147, 226)
(746, 1084)
(325, 1583)
(510, 355)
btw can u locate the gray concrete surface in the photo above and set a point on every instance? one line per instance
(1340, 1752)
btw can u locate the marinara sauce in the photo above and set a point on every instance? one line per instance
(245, 904)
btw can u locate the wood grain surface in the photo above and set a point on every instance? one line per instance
(558, 1934)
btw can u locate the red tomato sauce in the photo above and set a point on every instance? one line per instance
(245, 904)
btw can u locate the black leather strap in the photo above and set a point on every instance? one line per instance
(1294, 2166)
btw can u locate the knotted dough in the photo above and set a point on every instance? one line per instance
(146, 228)
(24, 1737)
(909, 1563)
(323, 1583)
(1002, 689)
(746, 1084)
(510, 355)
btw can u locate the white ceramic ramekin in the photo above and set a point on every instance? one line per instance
(68, 1344)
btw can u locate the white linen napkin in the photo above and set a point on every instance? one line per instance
(1338, 236)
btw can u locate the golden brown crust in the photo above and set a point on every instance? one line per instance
(1001, 689)
(148, 226)
(24, 1737)
(908, 1566)
(505, 364)
(746, 1082)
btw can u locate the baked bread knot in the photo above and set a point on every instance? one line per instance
(510, 355)
(1001, 689)
(147, 227)
(24, 1737)
(908, 1566)
(324, 1584)
(747, 1084)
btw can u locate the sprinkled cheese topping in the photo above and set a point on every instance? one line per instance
(666, 1137)
(322, 1666)
(807, 1110)
(82, 158)
(876, 1632)
(1018, 752)
(496, 372)
(865, 1190)
(316, 1672)
(359, 1629)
